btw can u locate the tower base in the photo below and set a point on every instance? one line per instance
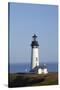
(39, 70)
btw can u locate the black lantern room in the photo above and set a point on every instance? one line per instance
(34, 42)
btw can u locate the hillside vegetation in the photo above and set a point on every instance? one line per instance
(31, 79)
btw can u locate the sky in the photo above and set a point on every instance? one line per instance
(25, 20)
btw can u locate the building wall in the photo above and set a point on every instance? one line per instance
(35, 57)
(39, 71)
(42, 71)
(45, 71)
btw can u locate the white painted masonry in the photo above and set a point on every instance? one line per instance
(35, 57)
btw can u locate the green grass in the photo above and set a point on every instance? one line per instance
(23, 79)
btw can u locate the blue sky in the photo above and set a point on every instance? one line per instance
(27, 19)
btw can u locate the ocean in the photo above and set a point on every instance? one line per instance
(25, 67)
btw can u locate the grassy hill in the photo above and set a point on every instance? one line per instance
(31, 79)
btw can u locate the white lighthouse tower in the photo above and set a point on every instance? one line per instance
(34, 53)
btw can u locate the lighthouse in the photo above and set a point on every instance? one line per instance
(34, 52)
(35, 67)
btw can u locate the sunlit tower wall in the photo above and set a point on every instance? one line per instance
(34, 52)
